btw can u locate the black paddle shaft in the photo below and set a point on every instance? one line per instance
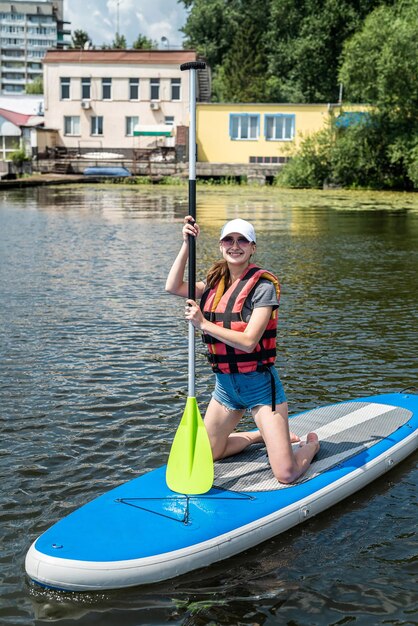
(192, 242)
(192, 65)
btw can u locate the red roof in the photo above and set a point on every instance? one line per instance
(139, 57)
(18, 119)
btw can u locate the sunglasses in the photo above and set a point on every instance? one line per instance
(229, 241)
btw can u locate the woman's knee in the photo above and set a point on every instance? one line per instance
(218, 449)
(284, 473)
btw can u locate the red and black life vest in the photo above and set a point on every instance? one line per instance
(224, 308)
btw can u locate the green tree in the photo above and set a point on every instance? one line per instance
(388, 81)
(359, 156)
(18, 158)
(389, 43)
(79, 39)
(290, 49)
(306, 38)
(143, 43)
(311, 166)
(412, 163)
(36, 87)
(210, 28)
(372, 153)
(119, 42)
(243, 74)
(380, 150)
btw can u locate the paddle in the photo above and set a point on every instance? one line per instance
(190, 464)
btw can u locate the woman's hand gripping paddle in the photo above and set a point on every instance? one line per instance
(190, 464)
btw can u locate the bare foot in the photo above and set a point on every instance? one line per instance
(294, 438)
(311, 439)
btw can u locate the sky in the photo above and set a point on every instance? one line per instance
(153, 18)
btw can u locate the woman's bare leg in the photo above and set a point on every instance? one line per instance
(286, 464)
(220, 422)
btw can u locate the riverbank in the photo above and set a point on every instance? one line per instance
(258, 174)
(40, 180)
(215, 180)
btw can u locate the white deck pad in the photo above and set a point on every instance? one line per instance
(344, 430)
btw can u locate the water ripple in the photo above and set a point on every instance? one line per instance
(93, 382)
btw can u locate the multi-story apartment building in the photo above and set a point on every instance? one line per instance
(104, 99)
(27, 29)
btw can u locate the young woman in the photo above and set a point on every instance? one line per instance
(238, 319)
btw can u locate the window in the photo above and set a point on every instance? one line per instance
(154, 89)
(97, 125)
(71, 125)
(169, 120)
(8, 145)
(131, 125)
(65, 88)
(106, 88)
(279, 127)
(244, 126)
(134, 89)
(85, 88)
(175, 88)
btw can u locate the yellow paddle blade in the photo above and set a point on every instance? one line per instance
(190, 464)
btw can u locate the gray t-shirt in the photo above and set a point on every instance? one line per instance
(263, 294)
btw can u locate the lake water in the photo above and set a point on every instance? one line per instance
(93, 382)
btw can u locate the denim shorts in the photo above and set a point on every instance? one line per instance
(246, 391)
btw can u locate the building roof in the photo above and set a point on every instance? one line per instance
(21, 119)
(137, 57)
(18, 119)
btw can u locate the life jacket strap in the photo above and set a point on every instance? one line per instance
(245, 357)
(263, 367)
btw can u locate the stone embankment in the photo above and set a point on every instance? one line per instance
(252, 173)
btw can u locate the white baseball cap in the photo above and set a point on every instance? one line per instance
(239, 226)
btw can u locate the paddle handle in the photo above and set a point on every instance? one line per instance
(192, 67)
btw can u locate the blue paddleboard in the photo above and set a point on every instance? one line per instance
(141, 532)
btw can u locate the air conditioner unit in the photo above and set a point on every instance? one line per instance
(85, 104)
(154, 106)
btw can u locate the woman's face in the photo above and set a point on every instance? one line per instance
(236, 249)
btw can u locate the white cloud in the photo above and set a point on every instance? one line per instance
(152, 18)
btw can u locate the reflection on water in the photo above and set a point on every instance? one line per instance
(93, 380)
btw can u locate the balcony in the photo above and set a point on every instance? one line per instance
(20, 44)
(36, 40)
(12, 81)
(13, 54)
(7, 21)
(35, 55)
(40, 20)
(12, 68)
(40, 46)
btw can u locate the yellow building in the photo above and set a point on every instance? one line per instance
(255, 133)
